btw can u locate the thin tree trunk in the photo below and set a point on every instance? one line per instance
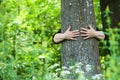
(77, 14)
(114, 7)
(114, 15)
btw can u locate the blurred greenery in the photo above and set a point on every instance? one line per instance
(26, 48)
(26, 29)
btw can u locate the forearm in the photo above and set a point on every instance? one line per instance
(59, 37)
(99, 35)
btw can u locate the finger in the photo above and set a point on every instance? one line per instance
(83, 32)
(69, 28)
(86, 37)
(73, 38)
(83, 35)
(74, 31)
(77, 33)
(90, 26)
(84, 29)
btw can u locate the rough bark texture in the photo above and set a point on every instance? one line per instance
(77, 14)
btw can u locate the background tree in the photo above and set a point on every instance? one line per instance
(79, 13)
(114, 8)
(110, 15)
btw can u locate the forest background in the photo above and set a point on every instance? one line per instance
(26, 48)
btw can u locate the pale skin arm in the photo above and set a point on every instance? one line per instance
(90, 33)
(67, 35)
(72, 35)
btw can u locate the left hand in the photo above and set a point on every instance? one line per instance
(71, 35)
(88, 33)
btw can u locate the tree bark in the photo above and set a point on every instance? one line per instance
(78, 14)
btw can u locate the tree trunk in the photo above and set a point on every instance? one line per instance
(78, 14)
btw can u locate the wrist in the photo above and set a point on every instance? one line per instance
(95, 33)
(64, 36)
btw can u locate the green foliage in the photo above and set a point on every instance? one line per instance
(113, 71)
(113, 65)
(97, 14)
(26, 29)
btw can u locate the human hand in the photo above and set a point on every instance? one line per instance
(71, 35)
(88, 33)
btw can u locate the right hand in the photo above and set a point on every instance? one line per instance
(71, 35)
